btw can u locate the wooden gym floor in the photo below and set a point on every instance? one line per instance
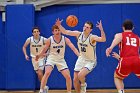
(88, 91)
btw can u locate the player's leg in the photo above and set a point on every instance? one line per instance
(122, 71)
(45, 77)
(119, 83)
(78, 66)
(38, 67)
(66, 74)
(88, 67)
(136, 66)
(82, 76)
(39, 73)
(76, 82)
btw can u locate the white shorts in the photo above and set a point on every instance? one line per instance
(60, 64)
(40, 64)
(83, 63)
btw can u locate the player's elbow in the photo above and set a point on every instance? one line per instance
(103, 40)
(23, 48)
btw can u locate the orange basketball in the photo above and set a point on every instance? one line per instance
(72, 20)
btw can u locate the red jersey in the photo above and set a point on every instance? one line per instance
(130, 45)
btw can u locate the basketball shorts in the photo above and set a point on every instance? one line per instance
(40, 64)
(84, 63)
(60, 64)
(128, 65)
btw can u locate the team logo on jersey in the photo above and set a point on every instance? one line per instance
(84, 45)
(36, 45)
(61, 46)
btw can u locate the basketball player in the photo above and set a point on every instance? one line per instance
(56, 44)
(87, 46)
(129, 54)
(37, 43)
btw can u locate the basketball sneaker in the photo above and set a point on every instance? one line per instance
(83, 88)
(46, 89)
(121, 91)
(42, 92)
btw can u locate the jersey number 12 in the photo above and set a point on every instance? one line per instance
(131, 41)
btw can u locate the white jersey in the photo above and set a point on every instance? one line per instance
(36, 46)
(57, 50)
(86, 49)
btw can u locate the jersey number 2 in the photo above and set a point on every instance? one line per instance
(131, 41)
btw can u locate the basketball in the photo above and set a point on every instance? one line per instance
(72, 20)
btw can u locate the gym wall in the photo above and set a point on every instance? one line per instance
(17, 74)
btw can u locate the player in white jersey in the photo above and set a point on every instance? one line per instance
(37, 44)
(56, 45)
(87, 47)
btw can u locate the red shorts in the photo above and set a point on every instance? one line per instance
(128, 65)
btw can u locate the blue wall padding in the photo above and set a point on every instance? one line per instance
(16, 73)
(19, 23)
(112, 16)
(3, 54)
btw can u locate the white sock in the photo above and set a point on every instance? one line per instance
(83, 84)
(41, 90)
(46, 87)
(121, 91)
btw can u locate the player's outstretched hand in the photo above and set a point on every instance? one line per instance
(58, 22)
(99, 25)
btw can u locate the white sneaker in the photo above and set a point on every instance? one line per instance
(42, 92)
(46, 89)
(121, 91)
(83, 88)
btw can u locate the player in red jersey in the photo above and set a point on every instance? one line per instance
(129, 54)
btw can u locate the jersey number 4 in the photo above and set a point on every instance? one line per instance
(58, 51)
(131, 41)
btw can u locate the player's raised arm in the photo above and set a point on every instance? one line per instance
(70, 44)
(64, 31)
(102, 38)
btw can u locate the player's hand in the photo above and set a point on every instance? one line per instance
(44, 55)
(58, 22)
(27, 57)
(108, 51)
(99, 25)
(115, 55)
(37, 57)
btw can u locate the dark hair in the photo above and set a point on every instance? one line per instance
(35, 28)
(55, 27)
(90, 23)
(128, 25)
